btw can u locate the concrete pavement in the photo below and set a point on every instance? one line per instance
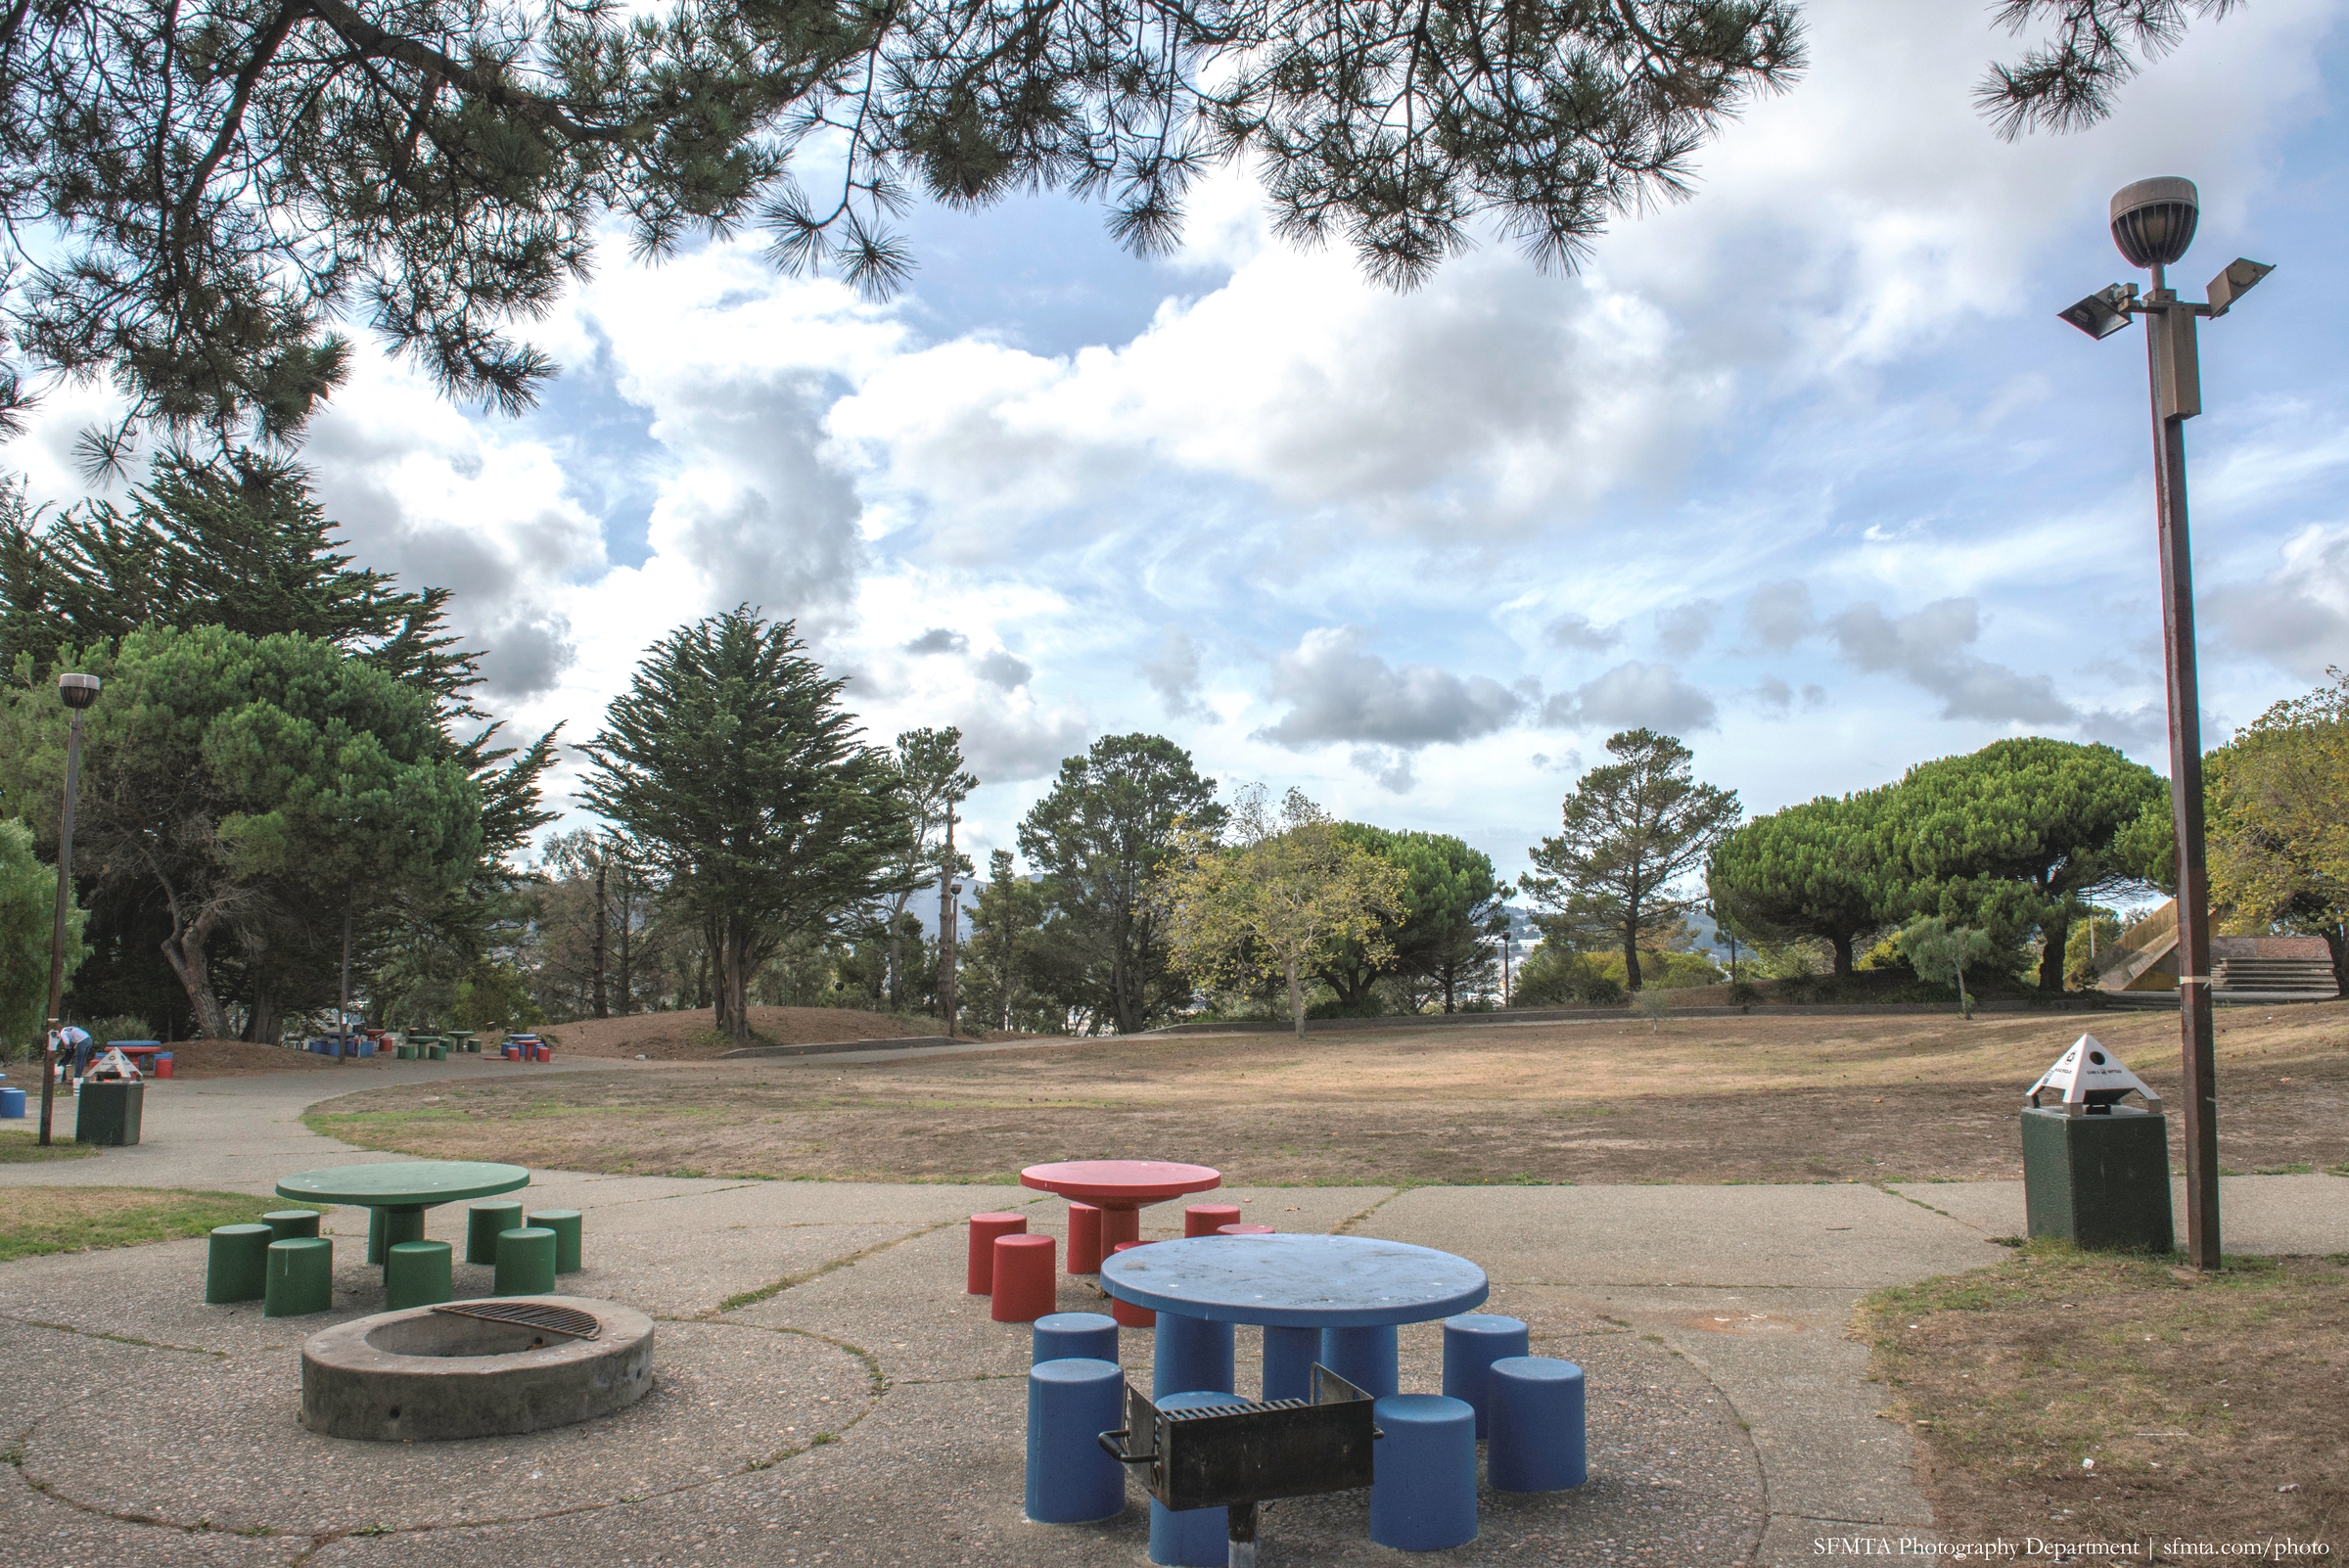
(829, 1395)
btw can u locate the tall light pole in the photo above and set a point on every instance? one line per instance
(2153, 222)
(77, 692)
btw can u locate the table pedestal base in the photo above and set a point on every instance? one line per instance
(1289, 1357)
(1190, 1356)
(1084, 1239)
(1118, 1224)
(1364, 1357)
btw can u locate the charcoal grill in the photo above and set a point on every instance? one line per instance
(528, 1315)
(1236, 1455)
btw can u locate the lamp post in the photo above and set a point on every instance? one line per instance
(77, 692)
(2153, 222)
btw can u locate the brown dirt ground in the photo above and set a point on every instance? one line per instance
(2211, 1404)
(692, 1036)
(1751, 1098)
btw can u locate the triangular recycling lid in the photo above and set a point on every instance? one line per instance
(113, 1064)
(2090, 1075)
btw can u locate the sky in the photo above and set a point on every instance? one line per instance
(1802, 469)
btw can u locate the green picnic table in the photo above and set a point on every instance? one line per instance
(399, 1192)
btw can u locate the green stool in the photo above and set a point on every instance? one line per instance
(302, 1278)
(526, 1262)
(482, 1222)
(418, 1275)
(437, 1053)
(407, 1054)
(286, 1223)
(237, 1267)
(565, 1224)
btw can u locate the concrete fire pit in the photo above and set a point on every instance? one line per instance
(427, 1373)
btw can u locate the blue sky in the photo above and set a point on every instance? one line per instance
(1803, 469)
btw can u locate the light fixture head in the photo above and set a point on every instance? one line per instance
(2154, 220)
(2102, 313)
(2233, 283)
(77, 691)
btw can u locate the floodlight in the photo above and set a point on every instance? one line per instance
(2233, 283)
(77, 691)
(2102, 313)
(2154, 220)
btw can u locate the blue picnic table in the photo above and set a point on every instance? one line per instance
(1333, 1298)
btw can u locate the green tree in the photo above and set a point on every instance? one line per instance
(1268, 901)
(259, 784)
(1809, 870)
(2278, 825)
(730, 760)
(1006, 926)
(237, 543)
(1099, 836)
(2020, 835)
(931, 781)
(1634, 828)
(496, 995)
(27, 925)
(1450, 896)
(1941, 954)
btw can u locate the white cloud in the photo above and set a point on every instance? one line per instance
(1338, 691)
(1633, 695)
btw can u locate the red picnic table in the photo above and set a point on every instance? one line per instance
(1106, 1198)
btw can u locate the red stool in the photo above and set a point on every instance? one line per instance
(1024, 1278)
(1084, 1238)
(1126, 1312)
(985, 1228)
(1244, 1230)
(1205, 1218)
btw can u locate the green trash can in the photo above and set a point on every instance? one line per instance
(109, 1113)
(2098, 1179)
(526, 1262)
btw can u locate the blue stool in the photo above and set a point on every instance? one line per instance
(1195, 1538)
(1472, 1343)
(1364, 1357)
(1423, 1473)
(1071, 1477)
(1537, 1445)
(1087, 1336)
(11, 1104)
(1189, 1355)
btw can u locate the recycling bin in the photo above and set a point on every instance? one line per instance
(2095, 1172)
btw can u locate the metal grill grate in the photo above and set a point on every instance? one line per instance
(530, 1315)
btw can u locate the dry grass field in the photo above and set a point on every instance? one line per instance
(1751, 1098)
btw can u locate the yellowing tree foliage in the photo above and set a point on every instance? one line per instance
(1279, 891)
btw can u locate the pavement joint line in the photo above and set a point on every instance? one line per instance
(1350, 1220)
(118, 1339)
(752, 1298)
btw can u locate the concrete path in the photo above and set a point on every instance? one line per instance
(828, 1394)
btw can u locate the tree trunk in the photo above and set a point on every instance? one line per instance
(183, 951)
(260, 1017)
(737, 981)
(2337, 939)
(897, 965)
(2053, 937)
(628, 968)
(1843, 956)
(603, 1008)
(1296, 998)
(1630, 950)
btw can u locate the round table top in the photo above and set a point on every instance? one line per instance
(1120, 1180)
(1296, 1281)
(404, 1183)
